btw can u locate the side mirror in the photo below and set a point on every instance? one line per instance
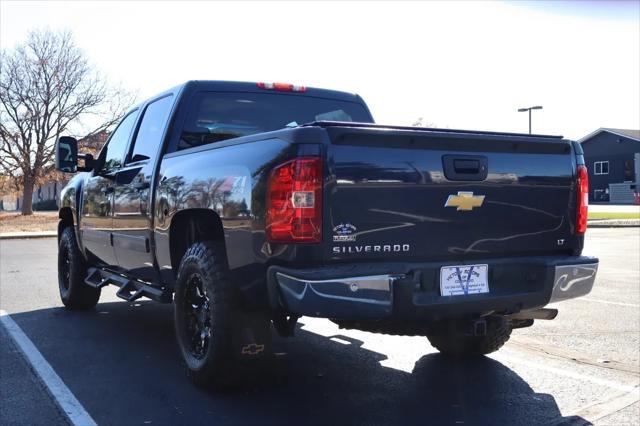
(67, 154)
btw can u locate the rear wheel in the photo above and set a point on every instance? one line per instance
(205, 310)
(453, 340)
(72, 270)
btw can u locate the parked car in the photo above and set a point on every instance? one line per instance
(249, 205)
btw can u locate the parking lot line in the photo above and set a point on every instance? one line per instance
(588, 299)
(55, 386)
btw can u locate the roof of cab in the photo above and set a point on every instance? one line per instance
(243, 86)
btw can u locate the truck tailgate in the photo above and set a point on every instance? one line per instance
(403, 194)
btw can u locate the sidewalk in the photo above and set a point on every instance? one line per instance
(613, 223)
(14, 235)
(614, 208)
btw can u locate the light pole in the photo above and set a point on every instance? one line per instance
(529, 109)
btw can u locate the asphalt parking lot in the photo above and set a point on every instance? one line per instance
(121, 363)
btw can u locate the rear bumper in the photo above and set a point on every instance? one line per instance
(411, 290)
(573, 280)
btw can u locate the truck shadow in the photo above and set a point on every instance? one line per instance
(122, 363)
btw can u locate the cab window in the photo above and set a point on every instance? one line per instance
(149, 136)
(115, 148)
(218, 116)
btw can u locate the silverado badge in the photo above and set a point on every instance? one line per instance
(464, 201)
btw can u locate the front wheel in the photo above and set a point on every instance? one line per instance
(453, 341)
(74, 292)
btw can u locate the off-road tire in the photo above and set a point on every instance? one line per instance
(454, 342)
(72, 270)
(206, 261)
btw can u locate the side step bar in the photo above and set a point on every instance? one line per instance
(130, 290)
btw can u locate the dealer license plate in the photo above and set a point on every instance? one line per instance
(464, 279)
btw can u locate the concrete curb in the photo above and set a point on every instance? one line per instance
(614, 223)
(20, 235)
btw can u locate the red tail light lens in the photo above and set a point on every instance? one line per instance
(583, 200)
(294, 202)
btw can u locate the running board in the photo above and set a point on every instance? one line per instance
(130, 290)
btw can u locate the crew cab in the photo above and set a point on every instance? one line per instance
(249, 205)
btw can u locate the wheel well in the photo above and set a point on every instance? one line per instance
(189, 227)
(66, 219)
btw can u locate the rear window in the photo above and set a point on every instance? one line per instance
(215, 117)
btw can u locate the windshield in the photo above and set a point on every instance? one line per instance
(215, 116)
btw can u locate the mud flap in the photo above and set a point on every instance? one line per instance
(252, 339)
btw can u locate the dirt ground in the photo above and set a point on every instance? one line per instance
(39, 221)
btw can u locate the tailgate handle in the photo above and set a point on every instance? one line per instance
(465, 167)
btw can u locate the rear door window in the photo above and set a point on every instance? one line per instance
(149, 136)
(218, 116)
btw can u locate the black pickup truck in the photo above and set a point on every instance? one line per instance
(249, 205)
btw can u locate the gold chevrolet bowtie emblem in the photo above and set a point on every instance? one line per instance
(252, 349)
(465, 201)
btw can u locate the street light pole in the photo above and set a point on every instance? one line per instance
(529, 111)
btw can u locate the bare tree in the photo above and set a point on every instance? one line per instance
(48, 87)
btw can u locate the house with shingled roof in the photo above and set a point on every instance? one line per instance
(612, 157)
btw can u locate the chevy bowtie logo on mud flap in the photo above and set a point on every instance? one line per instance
(344, 232)
(252, 349)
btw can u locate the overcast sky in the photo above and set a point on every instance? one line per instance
(457, 64)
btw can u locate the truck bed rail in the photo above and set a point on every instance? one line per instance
(325, 124)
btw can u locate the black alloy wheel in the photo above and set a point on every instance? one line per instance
(72, 270)
(198, 311)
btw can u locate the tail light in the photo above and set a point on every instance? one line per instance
(294, 202)
(282, 87)
(583, 200)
